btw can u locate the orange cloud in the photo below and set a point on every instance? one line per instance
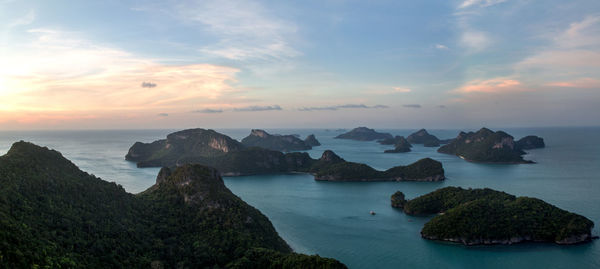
(495, 85)
(60, 73)
(584, 83)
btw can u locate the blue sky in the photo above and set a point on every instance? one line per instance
(394, 64)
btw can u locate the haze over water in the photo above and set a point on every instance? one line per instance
(332, 218)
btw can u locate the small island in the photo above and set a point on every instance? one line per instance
(331, 167)
(57, 216)
(423, 137)
(312, 141)
(400, 145)
(486, 216)
(530, 142)
(364, 134)
(232, 158)
(485, 146)
(286, 143)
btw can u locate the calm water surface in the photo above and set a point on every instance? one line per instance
(332, 218)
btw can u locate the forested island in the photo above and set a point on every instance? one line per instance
(364, 134)
(488, 146)
(232, 158)
(399, 142)
(260, 138)
(486, 216)
(53, 215)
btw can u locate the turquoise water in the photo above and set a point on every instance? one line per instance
(332, 218)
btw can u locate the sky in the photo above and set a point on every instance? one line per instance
(299, 64)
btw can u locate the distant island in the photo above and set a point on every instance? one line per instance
(232, 158)
(488, 146)
(54, 215)
(530, 142)
(312, 141)
(364, 134)
(399, 142)
(423, 137)
(330, 167)
(486, 216)
(260, 138)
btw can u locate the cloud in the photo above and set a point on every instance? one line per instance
(441, 47)
(401, 89)
(162, 114)
(60, 71)
(148, 85)
(245, 29)
(475, 40)
(412, 106)
(346, 106)
(495, 85)
(571, 58)
(208, 111)
(582, 83)
(390, 90)
(24, 20)
(479, 3)
(257, 108)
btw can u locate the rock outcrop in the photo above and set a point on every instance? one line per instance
(312, 141)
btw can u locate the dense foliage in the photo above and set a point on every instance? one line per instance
(364, 134)
(485, 216)
(485, 146)
(398, 200)
(260, 258)
(260, 138)
(52, 215)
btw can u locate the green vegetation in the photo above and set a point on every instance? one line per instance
(398, 200)
(485, 146)
(485, 216)
(53, 215)
(260, 258)
(331, 167)
(364, 134)
(260, 138)
(231, 158)
(182, 144)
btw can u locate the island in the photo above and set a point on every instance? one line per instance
(400, 145)
(54, 215)
(331, 167)
(232, 158)
(364, 134)
(485, 146)
(423, 137)
(312, 141)
(486, 216)
(530, 142)
(286, 143)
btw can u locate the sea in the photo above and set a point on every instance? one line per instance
(332, 219)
